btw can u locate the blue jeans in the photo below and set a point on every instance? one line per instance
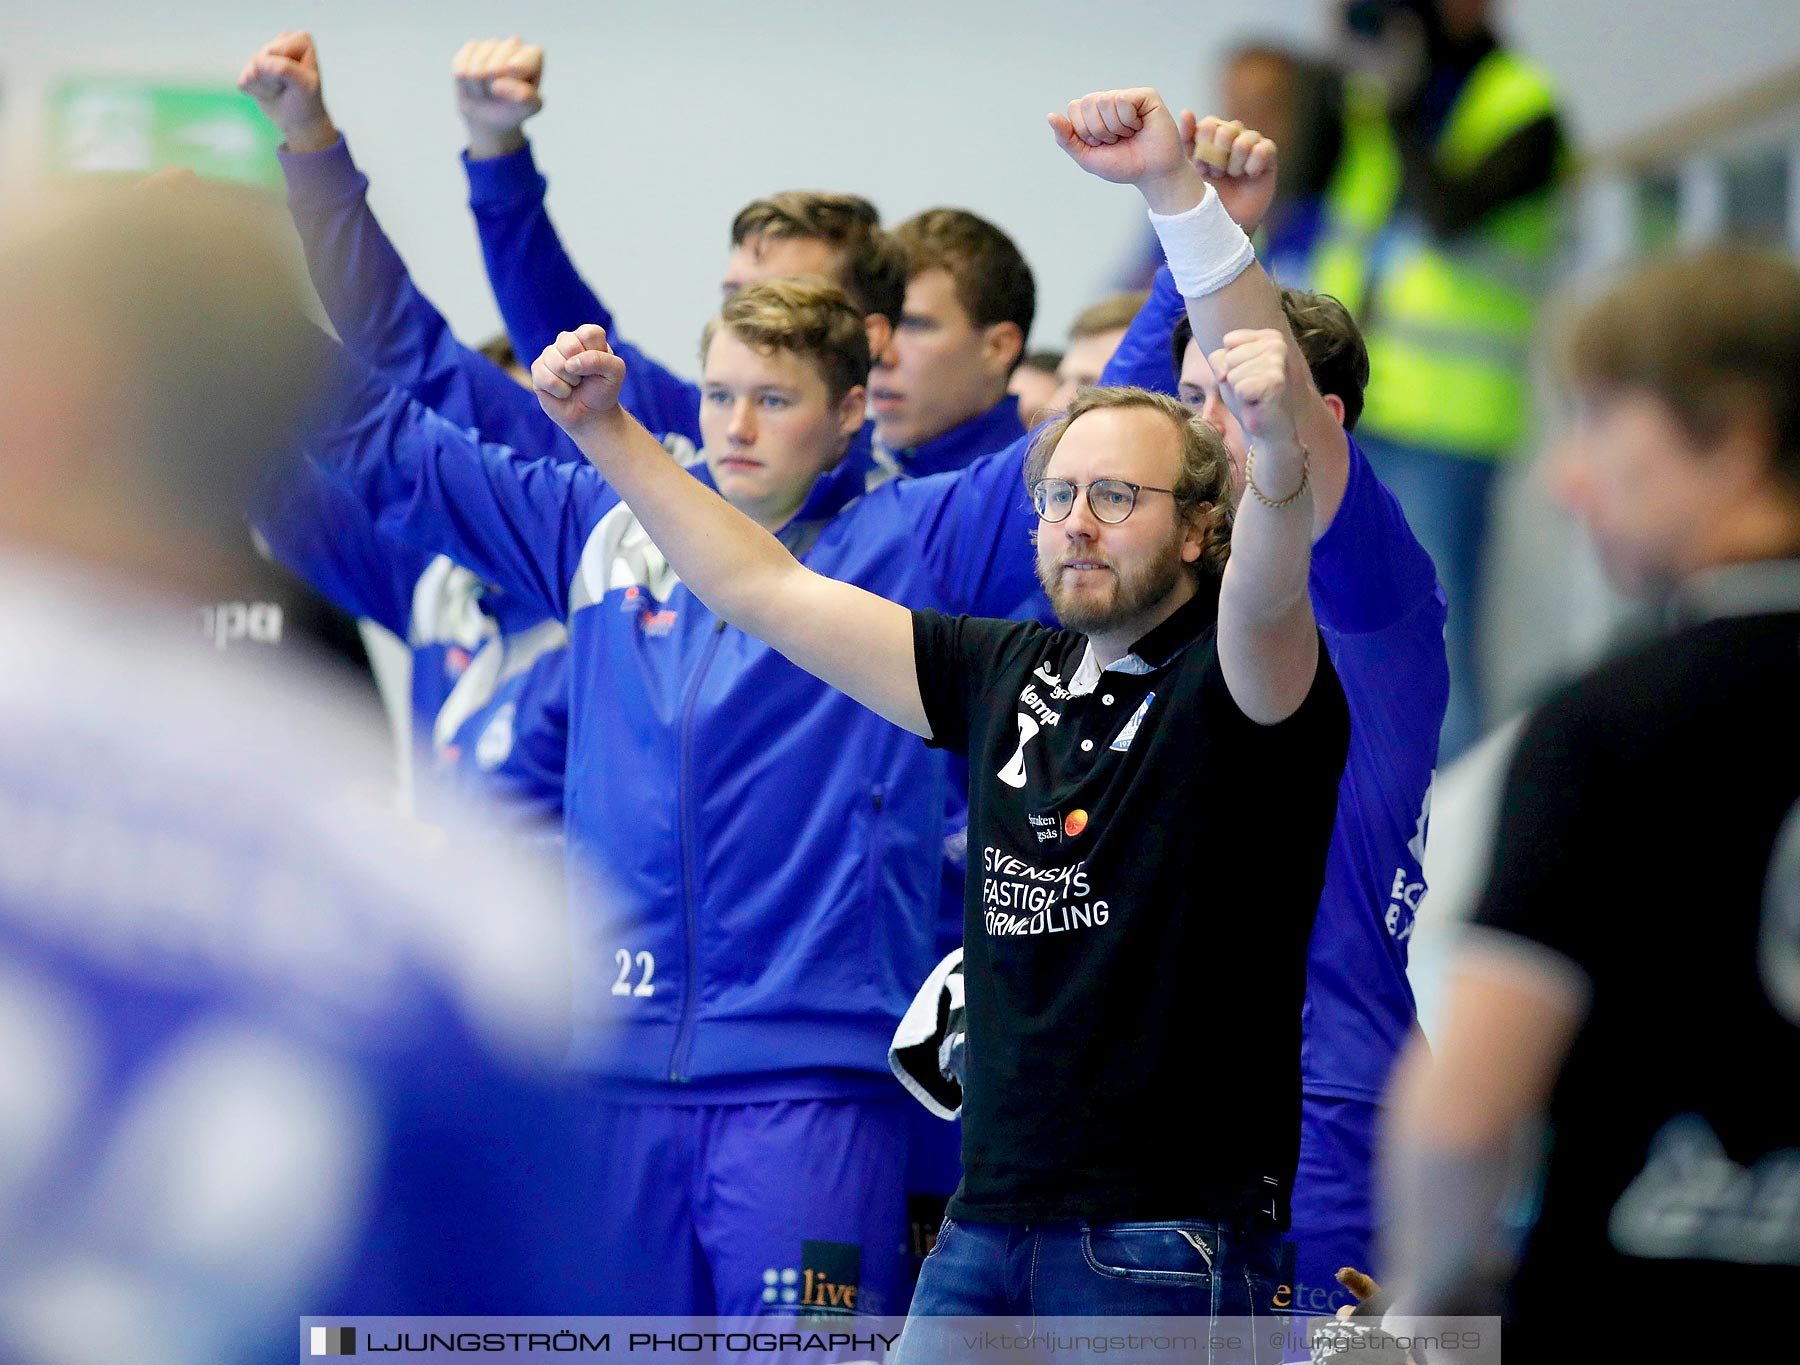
(1446, 501)
(1185, 1268)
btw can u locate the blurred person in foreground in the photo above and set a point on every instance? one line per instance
(1623, 979)
(264, 1056)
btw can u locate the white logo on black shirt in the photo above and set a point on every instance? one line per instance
(1129, 733)
(1013, 774)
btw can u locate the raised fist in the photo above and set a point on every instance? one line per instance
(283, 78)
(577, 378)
(1255, 381)
(1125, 136)
(1240, 162)
(497, 82)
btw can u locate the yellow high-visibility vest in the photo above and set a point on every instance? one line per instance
(1448, 323)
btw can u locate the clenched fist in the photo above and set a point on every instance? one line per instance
(1255, 379)
(1131, 137)
(497, 89)
(283, 78)
(577, 378)
(1240, 162)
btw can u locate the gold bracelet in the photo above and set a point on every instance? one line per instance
(1291, 498)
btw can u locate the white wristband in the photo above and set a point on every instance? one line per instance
(1205, 250)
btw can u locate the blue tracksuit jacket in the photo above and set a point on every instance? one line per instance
(489, 684)
(754, 854)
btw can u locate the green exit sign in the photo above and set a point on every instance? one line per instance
(129, 126)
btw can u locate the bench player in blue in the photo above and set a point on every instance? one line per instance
(486, 678)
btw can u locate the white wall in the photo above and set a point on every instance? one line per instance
(663, 118)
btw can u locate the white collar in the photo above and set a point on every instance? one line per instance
(1088, 671)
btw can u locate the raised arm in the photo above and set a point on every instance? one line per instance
(1131, 137)
(1144, 358)
(857, 642)
(499, 85)
(1268, 640)
(518, 523)
(380, 314)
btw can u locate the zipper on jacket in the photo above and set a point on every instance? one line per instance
(689, 910)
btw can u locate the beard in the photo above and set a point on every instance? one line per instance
(1121, 598)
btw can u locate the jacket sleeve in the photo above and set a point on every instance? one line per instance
(314, 527)
(518, 523)
(974, 527)
(540, 292)
(387, 323)
(1143, 357)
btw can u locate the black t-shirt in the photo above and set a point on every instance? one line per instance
(1144, 864)
(1634, 840)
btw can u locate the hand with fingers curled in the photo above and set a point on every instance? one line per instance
(577, 379)
(1128, 137)
(498, 87)
(1254, 369)
(1240, 162)
(1131, 137)
(282, 76)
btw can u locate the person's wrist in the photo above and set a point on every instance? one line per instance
(313, 135)
(1175, 191)
(487, 143)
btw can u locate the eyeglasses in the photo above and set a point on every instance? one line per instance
(1110, 500)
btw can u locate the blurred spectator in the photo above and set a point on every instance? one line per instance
(1437, 230)
(1299, 104)
(1093, 338)
(1646, 1002)
(1033, 383)
(265, 1055)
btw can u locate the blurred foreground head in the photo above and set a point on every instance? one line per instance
(156, 357)
(1684, 448)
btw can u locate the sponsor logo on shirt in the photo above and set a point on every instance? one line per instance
(652, 622)
(1129, 733)
(1038, 707)
(233, 623)
(1019, 899)
(1047, 828)
(1075, 822)
(1057, 691)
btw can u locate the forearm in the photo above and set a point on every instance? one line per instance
(537, 287)
(728, 560)
(1251, 302)
(1444, 1190)
(1271, 546)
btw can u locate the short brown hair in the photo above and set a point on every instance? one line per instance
(993, 283)
(874, 269)
(1330, 342)
(1108, 315)
(1203, 485)
(499, 349)
(809, 317)
(1711, 334)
